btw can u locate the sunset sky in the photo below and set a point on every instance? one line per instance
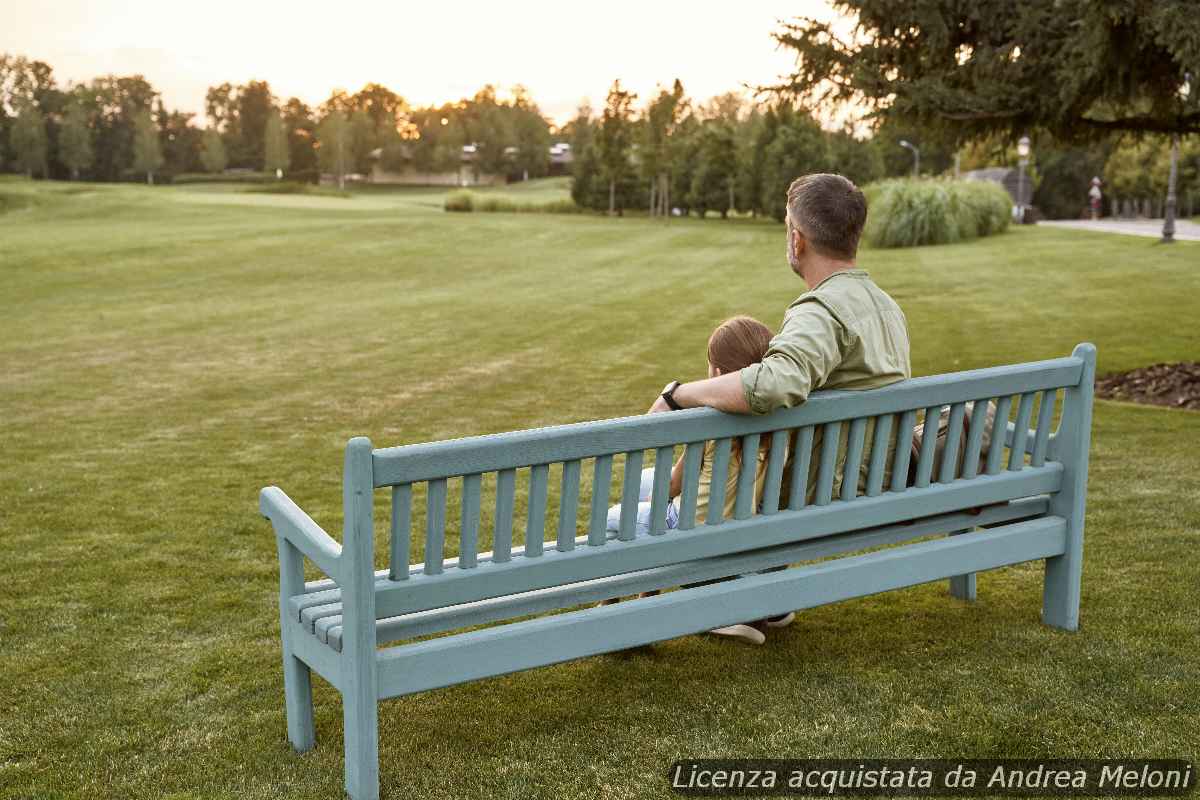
(562, 52)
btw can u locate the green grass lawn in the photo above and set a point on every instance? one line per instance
(165, 353)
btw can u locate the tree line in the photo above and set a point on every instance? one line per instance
(728, 154)
(116, 128)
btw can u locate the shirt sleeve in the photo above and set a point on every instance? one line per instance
(799, 359)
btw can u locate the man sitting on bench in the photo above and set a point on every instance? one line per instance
(844, 333)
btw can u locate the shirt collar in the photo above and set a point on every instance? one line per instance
(849, 273)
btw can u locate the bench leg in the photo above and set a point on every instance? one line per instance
(1060, 593)
(297, 692)
(963, 586)
(297, 679)
(362, 747)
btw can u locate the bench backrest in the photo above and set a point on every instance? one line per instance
(871, 430)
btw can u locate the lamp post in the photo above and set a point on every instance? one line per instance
(916, 155)
(1168, 232)
(1023, 153)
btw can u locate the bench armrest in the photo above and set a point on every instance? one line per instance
(299, 529)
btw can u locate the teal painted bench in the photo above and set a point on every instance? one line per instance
(1021, 500)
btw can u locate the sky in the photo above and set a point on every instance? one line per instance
(561, 52)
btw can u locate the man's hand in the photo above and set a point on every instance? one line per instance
(660, 402)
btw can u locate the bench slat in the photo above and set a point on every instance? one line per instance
(1044, 421)
(660, 493)
(548, 640)
(720, 476)
(828, 464)
(435, 526)
(879, 448)
(481, 612)
(854, 457)
(598, 517)
(423, 592)
(801, 459)
(535, 518)
(399, 556)
(979, 409)
(1016, 454)
(468, 545)
(929, 429)
(772, 482)
(743, 503)
(631, 488)
(692, 456)
(506, 491)
(904, 440)
(419, 462)
(948, 469)
(568, 505)
(999, 425)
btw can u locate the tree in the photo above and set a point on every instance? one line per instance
(335, 145)
(614, 140)
(212, 151)
(75, 140)
(659, 125)
(275, 142)
(1078, 69)
(714, 179)
(798, 148)
(182, 142)
(28, 140)
(147, 150)
(302, 137)
(113, 104)
(531, 135)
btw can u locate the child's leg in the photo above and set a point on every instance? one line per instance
(647, 484)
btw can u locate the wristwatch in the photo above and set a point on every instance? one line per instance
(669, 396)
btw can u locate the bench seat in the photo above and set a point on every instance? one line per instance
(320, 612)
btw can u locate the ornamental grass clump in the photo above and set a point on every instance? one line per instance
(459, 201)
(906, 212)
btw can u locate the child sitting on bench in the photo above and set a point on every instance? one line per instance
(736, 343)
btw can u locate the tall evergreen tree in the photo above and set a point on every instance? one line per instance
(1079, 69)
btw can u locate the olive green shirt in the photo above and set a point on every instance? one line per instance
(845, 333)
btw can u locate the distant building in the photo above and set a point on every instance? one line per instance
(467, 174)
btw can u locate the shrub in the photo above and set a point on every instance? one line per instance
(241, 176)
(906, 212)
(293, 187)
(468, 201)
(460, 201)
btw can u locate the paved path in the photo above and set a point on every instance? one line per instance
(1185, 230)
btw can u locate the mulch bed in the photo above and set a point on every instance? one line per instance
(1174, 385)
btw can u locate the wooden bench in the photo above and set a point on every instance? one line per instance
(1026, 504)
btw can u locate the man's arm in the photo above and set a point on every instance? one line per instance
(723, 393)
(800, 358)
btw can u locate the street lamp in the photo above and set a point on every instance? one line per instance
(916, 156)
(1168, 233)
(1023, 153)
